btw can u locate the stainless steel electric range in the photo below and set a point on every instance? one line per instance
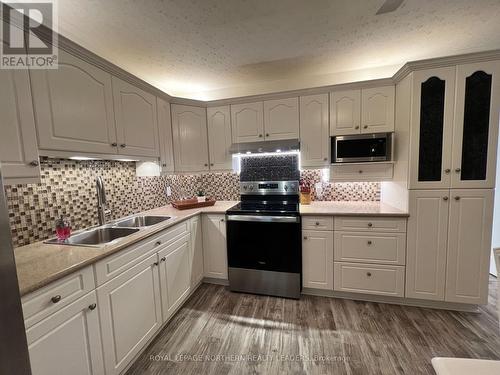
(263, 239)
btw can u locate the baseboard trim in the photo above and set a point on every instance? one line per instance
(393, 300)
(212, 280)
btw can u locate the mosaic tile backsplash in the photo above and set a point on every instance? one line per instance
(67, 188)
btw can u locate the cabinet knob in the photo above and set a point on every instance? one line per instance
(316, 223)
(267, 134)
(370, 225)
(157, 243)
(211, 164)
(155, 263)
(325, 159)
(34, 163)
(356, 127)
(93, 306)
(163, 259)
(458, 170)
(365, 127)
(222, 220)
(445, 198)
(56, 299)
(164, 165)
(305, 237)
(457, 198)
(368, 274)
(114, 144)
(369, 242)
(360, 171)
(447, 170)
(123, 145)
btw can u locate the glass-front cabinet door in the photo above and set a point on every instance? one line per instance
(476, 122)
(432, 128)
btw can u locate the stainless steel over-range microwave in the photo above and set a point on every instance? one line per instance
(361, 148)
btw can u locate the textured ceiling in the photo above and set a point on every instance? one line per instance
(213, 49)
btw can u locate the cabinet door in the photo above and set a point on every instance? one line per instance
(165, 132)
(469, 245)
(196, 258)
(432, 128)
(130, 310)
(377, 109)
(219, 137)
(281, 119)
(69, 341)
(136, 120)
(247, 122)
(317, 259)
(18, 144)
(345, 112)
(175, 275)
(214, 246)
(426, 244)
(189, 125)
(74, 107)
(314, 135)
(475, 133)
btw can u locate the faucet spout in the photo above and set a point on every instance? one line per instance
(102, 210)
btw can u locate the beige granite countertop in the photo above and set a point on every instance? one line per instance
(350, 208)
(39, 264)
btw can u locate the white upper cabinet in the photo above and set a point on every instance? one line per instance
(426, 244)
(475, 132)
(377, 109)
(18, 142)
(432, 128)
(74, 107)
(281, 119)
(247, 122)
(136, 120)
(165, 133)
(314, 136)
(189, 125)
(469, 245)
(219, 137)
(345, 112)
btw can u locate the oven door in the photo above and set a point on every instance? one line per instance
(261, 242)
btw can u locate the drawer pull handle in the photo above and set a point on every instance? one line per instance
(56, 299)
(158, 243)
(370, 225)
(369, 274)
(163, 259)
(92, 307)
(369, 242)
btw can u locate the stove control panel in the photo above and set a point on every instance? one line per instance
(269, 188)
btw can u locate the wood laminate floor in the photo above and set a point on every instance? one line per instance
(219, 332)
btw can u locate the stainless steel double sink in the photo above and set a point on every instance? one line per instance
(112, 232)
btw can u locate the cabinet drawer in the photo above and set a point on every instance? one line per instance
(47, 300)
(386, 248)
(369, 279)
(115, 264)
(317, 222)
(371, 224)
(362, 172)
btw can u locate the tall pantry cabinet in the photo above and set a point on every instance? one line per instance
(453, 120)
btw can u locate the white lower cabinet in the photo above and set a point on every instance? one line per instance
(130, 311)
(69, 341)
(317, 259)
(175, 275)
(214, 246)
(196, 251)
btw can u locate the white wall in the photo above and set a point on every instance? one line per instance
(496, 216)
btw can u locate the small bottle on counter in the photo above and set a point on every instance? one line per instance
(63, 228)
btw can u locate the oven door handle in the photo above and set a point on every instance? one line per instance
(264, 219)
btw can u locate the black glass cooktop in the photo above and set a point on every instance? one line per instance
(265, 207)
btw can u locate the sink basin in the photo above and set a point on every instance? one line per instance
(141, 221)
(96, 237)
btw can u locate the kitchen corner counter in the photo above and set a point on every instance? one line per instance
(350, 208)
(39, 264)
